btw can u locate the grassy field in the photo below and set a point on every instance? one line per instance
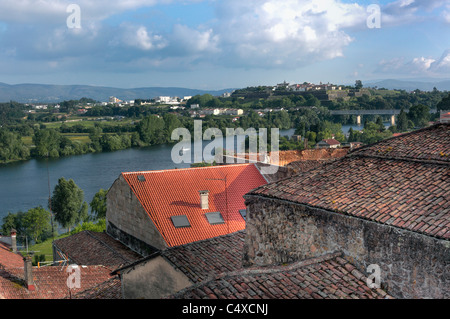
(44, 248)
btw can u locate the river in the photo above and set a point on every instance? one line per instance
(24, 185)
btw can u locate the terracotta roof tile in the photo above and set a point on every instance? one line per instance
(110, 289)
(8, 259)
(326, 277)
(210, 257)
(176, 192)
(50, 282)
(96, 248)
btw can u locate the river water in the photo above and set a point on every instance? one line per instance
(25, 185)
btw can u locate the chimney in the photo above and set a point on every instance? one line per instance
(14, 240)
(204, 199)
(28, 269)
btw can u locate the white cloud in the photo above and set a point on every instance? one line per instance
(194, 41)
(139, 37)
(424, 66)
(286, 33)
(442, 64)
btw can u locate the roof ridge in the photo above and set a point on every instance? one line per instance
(185, 169)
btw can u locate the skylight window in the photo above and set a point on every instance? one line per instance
(215, 218)
(243, 213)
(180, 221)
(141, 178)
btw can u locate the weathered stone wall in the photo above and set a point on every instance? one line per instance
(153, 279)
(127, 220)
(412, 265)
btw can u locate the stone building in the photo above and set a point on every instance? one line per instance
(159, 209)
(385, 204)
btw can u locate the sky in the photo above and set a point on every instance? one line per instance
(218, 44)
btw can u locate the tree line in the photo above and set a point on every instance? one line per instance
(67, 208)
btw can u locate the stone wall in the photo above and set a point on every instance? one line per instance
(128, 222)
(412, 265)
(157, 274)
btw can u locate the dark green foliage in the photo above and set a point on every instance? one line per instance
(68, 203)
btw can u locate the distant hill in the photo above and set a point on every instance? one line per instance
(410, 85)
(46, 93)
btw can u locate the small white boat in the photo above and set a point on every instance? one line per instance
(183, 150)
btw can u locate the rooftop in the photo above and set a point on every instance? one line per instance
(206, 258)
(95, 248)
(325, 277)
(8, 259)
(402, 182)
(169, 193)
(50, 282)
(331, 141)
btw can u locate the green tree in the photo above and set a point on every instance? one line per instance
(98, 204)
(12, 147)
(47, 142)
(444, 104)
(68, 203)
(11, 221)
(419, 115)
(151, 130)
(402, 121)
(37, 223)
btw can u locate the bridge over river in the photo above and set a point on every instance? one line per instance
(360, 113)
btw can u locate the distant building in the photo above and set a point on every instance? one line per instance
(445, 117)
(113, 99)
(329, 143)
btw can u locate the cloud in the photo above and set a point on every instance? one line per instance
(139, 37)
(286, 33)
(424, 66)
(402, 12)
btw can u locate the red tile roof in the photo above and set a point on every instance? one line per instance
(50, 282)
(8, 259)
(402, 182)
(325, 277)
(176, 192)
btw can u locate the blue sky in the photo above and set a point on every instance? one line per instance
(216, 44)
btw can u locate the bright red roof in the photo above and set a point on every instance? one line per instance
(176, 192)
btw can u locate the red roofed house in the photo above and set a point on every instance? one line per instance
(445, 117)
(20, 280)
(329, 143)
(161, 209)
